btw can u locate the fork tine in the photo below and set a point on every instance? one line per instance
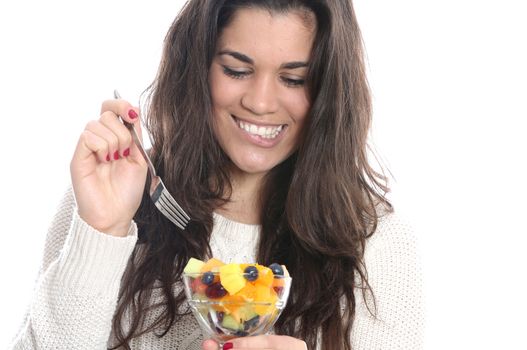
(160, 190)
(170, 208)
(168, 215)
(174, 204)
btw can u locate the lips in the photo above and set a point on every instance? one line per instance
(264, 135)
(264, 131)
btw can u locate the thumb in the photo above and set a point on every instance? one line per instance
(210, 344)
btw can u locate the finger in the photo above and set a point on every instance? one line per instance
(110, 121)
(253, 348)
(268, 342)
(125, 110)
(259, 342)
(209, 344)
(90, 143)
(108, 135)
(121, 108)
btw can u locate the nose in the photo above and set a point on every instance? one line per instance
(261, 96)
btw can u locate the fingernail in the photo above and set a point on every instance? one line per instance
(108, 157)
(228, 346)
(116, 155)
(126, 152)
(132, 114)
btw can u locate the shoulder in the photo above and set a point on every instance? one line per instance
(392, 255)
(394, 273)
(394, 234)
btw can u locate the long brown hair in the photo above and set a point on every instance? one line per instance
(318, 207)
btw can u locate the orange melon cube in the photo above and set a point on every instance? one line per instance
(248, 293)
(265, 276)
(265, 295)
(278, 282)
(212, 264)
(231, 303)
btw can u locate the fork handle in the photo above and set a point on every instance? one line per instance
(137, 142)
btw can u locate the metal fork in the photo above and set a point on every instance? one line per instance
(159, 194)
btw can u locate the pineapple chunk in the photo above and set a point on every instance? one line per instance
(231, 277)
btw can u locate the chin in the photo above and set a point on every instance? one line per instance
(255, 168)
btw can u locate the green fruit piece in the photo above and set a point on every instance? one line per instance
(231, 278)
(230, 323)
(193, 266)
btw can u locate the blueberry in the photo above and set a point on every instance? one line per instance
(251, 273)
(207, 278)
(277, 269)
(253, 322)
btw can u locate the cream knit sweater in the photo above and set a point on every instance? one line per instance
(76, 293)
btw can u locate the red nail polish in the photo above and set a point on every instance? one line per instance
(228, 346)
(116, 155)
(126, 152)
(108, 157)
(132, 114)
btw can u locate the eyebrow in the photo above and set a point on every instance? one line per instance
(246, 59)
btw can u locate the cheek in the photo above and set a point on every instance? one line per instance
(297, 105)
(215, 87)
(223, 90)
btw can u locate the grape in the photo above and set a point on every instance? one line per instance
(215, 291)
(251, 273)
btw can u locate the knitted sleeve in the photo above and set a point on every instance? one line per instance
(394, 274)
(78, 284)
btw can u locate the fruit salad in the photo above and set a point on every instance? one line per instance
(236, 299)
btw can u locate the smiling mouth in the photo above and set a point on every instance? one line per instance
(267, 132)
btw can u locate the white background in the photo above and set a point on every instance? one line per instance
(449, 81)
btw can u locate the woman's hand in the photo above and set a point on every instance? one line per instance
(107, 170)
(267, 342)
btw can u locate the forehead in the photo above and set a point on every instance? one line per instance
(254, 31)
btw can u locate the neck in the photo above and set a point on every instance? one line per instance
(244, 205)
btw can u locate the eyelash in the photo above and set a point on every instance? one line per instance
(241, 75)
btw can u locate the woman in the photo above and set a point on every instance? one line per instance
(259, 115)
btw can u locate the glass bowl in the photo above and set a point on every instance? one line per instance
(222, 315)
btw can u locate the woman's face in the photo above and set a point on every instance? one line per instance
(260, 101)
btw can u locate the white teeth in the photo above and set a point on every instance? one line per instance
(262, 131)
(268, 132)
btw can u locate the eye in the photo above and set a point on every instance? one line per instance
(293, 82)
(235, 73)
